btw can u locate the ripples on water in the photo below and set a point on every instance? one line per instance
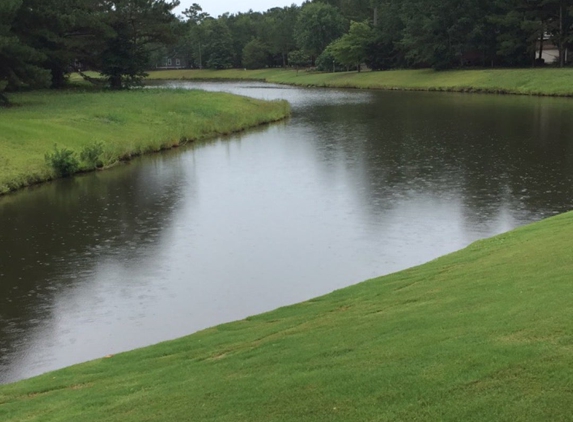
(356, 184)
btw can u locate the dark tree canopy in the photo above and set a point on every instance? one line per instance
(255, 54)
(219, 45)
(352, 48)
(134, 26)
(20, 63)
(318, 24)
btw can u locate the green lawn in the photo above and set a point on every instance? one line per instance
(546, 81)
(127, 123)
(483, 334)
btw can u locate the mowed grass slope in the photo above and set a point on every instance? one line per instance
(483, 334)
(127, 123)
(546, 81)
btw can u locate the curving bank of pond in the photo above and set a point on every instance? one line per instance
(116, 125)
(356, 184)
(532, 81)
(479, 335)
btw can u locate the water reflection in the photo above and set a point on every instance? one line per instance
(61, 243)
(355, 185)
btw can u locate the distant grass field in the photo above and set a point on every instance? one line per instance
(483, 334)
(546, 81)
(126, 123)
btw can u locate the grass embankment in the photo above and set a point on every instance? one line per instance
(549, 81)
(483, 334)
(126, 123)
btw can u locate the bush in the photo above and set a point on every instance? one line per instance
(91, 155)
(63, 161)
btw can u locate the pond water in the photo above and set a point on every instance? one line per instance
(355, 185)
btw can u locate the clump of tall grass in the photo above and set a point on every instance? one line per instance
(91, 155)
(63, 161)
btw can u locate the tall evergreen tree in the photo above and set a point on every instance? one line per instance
(49, 26)
(20, 64)
(135, 25)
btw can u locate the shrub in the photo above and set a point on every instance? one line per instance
(63, 161)
(91, 155)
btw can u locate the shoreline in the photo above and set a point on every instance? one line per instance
(483, 333)
(468, 336)
(534, 82)
(127, 124)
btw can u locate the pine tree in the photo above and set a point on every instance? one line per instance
(19, 63)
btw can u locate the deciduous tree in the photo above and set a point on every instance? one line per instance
(255, 54)
(318, 24)
(351, 49)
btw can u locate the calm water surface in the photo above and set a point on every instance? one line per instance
(357, 184)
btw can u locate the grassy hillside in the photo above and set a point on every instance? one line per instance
(549, 81)
(483, 334)
(126, 123)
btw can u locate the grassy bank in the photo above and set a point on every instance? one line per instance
(483, 334)
(550, 81)
(125, 123)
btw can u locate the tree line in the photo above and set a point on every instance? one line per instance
(384, 34)
(43, 41)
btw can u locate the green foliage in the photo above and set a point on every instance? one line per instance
(255, 54)
(243, 27)
(91, 155)
(318, 24)
(384, 51)
(438, 33)
(133, 24)
(194, 39)
(351, 49)
(218, 45)
(298, 59)
(20, 64)
(326, 62)
(355, 10)
(63, 161)
(516, 40)
(281, 24)
(43, 40)
(47, 26)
